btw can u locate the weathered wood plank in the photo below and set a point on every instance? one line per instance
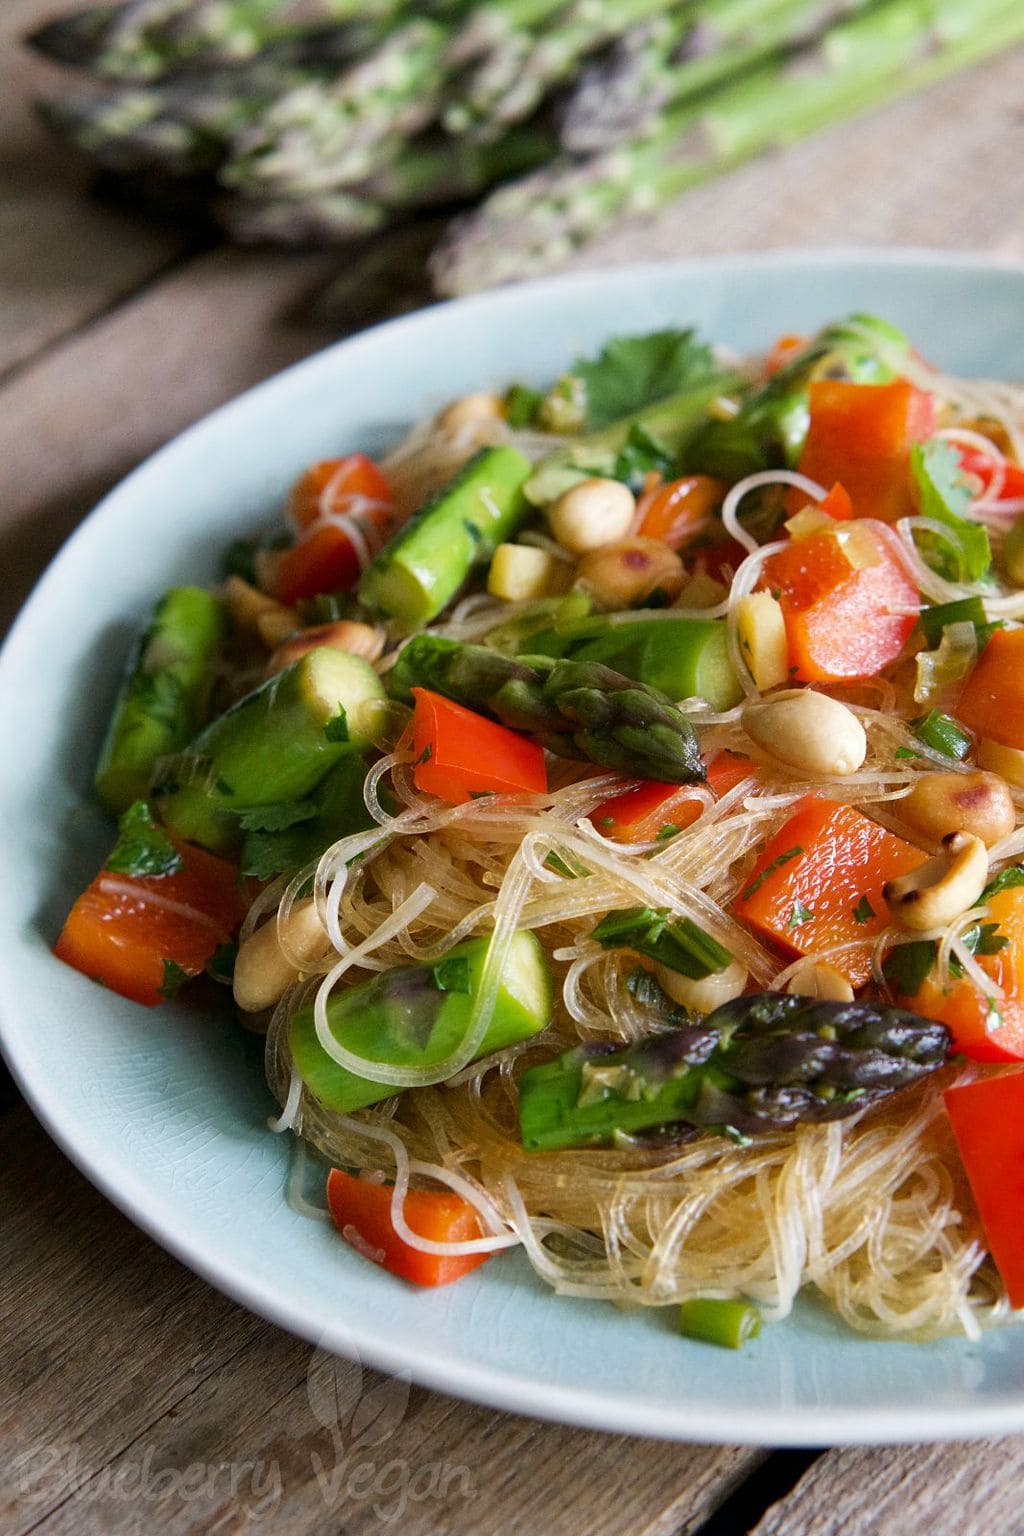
(63, 258)
(946, 1490)
(78, 419)
(135, 1398)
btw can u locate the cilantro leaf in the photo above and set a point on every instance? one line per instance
(633, 371)
(944, 497)
(175, 977)
(337, 729)
(906, 965)
(142, 849)
(640, 454)
(276, 818)
(1012, 875)
(863, 912)
(800, 914)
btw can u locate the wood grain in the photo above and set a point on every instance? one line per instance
(63, 258)
(944, 1490)
(134, 1397)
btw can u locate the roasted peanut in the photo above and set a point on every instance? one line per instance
(626, 573)
(978, 802)
(816, 978)
(707, 993)
(938, 890)
(344, 635)
(248, 606)
(808, 731)
(471, 411)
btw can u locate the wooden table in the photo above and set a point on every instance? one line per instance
(135, 1398)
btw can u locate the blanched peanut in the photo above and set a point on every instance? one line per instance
(816, 978)
(707, 993)
(264, 971)
(935, 893)
(761, 631)
(274, 627)
(247, 605)
(345, 635)
(628, 572)
(591, 514)
(521, 571)
(470, 411)
(979, 802)
(1008, 762)
(808, 731)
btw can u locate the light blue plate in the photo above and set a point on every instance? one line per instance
(165, 1111)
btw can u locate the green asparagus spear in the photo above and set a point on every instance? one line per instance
(164, 696)
(579, 710)
(896, 47)
(769, 430)
(758, 1063)
(682, 658)
(421, 569)
(416, 1016)
(273, 746)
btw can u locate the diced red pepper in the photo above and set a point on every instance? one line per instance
(641, 814)
(460, 754)
(341, 510)
(781, 352)
(137, 933)
(361, 1211)
(819, 883)
(331, 485)
(984, 1028)
(676, 512)
(992, 702)
(984, 467)
(841, 596)
(861, 435)
(988, 1122)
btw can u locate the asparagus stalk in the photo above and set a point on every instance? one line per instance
(273, 746)
(418, 573)
(576, 709)
(897, 47)
(716, 43)
(164, 696)
(417, 1015)
(681, 658)
(758, 1063)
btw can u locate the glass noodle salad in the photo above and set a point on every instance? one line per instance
(610, 807)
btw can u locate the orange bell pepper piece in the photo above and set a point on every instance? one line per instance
(861, 435)
(136, 934)
(677, 512)
(361, 1211)
(988, 1122)
(992, 701)
(653, 809)
(819, 883)
(982, 1027)
(843, 619)
(460, 754)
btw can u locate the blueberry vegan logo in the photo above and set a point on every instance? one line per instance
(363, 1414)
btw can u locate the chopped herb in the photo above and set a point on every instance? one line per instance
(1012, 875)
(678, 943)
(174, 979)
(906, 966)
(276, 818)
(424, 756)
(932, 621)
(634, 371)
(769, 869)
(944, 497)
(482, 794)
(942, 734)
(668, 830)
(863, 912)
(560, 866)
(905, 752)
(800, 914)
(641, 455)
(606, 821)
(221, 964)
(521, 406)
(337, 729)
(452, 974)
(143, 849)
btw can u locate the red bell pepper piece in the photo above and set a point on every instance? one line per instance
(137, 934)
(330, 486)
(988, 1122)
(327, 554)
(459, 754)
(641, 814)
(984, 467)
(781, 352)
(861, 435)
(819, 883)
(841, 594)
(361, 1211)
(676, 512)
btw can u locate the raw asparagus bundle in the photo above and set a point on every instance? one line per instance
(758, 1063)
(576, 709)
(890, 50)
